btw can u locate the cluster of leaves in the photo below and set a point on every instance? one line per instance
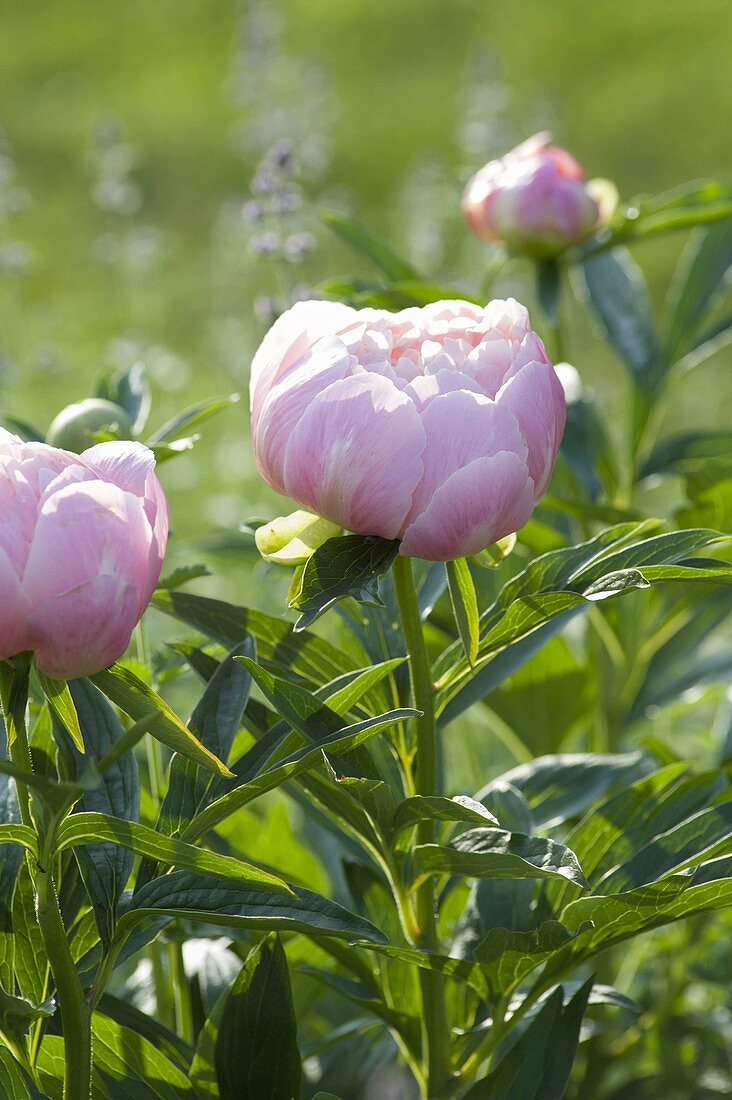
(586, 830)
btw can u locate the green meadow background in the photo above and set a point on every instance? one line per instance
(132, 131)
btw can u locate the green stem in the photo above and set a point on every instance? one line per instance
(435, 1031)
(182, 998)
(75, 1014)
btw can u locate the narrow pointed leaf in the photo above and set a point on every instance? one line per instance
(201, 898)
(135, 698)
(85, 828)
(464, 606)
(60, 701)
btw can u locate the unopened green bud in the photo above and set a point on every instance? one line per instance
(291, 540)
(75, 426)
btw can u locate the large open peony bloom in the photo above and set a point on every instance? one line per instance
(82, 541)
(536, 200)
(437, 426)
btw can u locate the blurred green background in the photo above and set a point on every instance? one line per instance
(133, 140)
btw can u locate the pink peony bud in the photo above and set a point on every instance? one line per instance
(82, 541)
(436, 426)
(536, 200)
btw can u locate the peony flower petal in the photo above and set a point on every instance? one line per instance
(477, 505)
(131, 466)
(14, 609)
(285, 403)
(535, 397)
(18, 508)
(85, 531)
(460, 427)
(122, 462)
(290, 337)
(84, 629)
(426, 387)
(354, 457)
(81, 548)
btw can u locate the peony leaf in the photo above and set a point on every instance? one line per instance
(349, 565)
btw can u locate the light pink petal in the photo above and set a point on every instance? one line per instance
(286, 402)
(476, 506)
(488, 364)
(41, 464)
(18, 511)
(426, 387)
(122, 462)
(85, 629)
(156, 503)
(564, 162)
(9, 442)
(14, 610)
(535, 397)
(85, 531)
(355, 455)
(461, 427)
(131, 466)
(290, 337)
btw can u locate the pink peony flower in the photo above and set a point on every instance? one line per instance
(81, 547)
(435, 426)
(536, 200)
